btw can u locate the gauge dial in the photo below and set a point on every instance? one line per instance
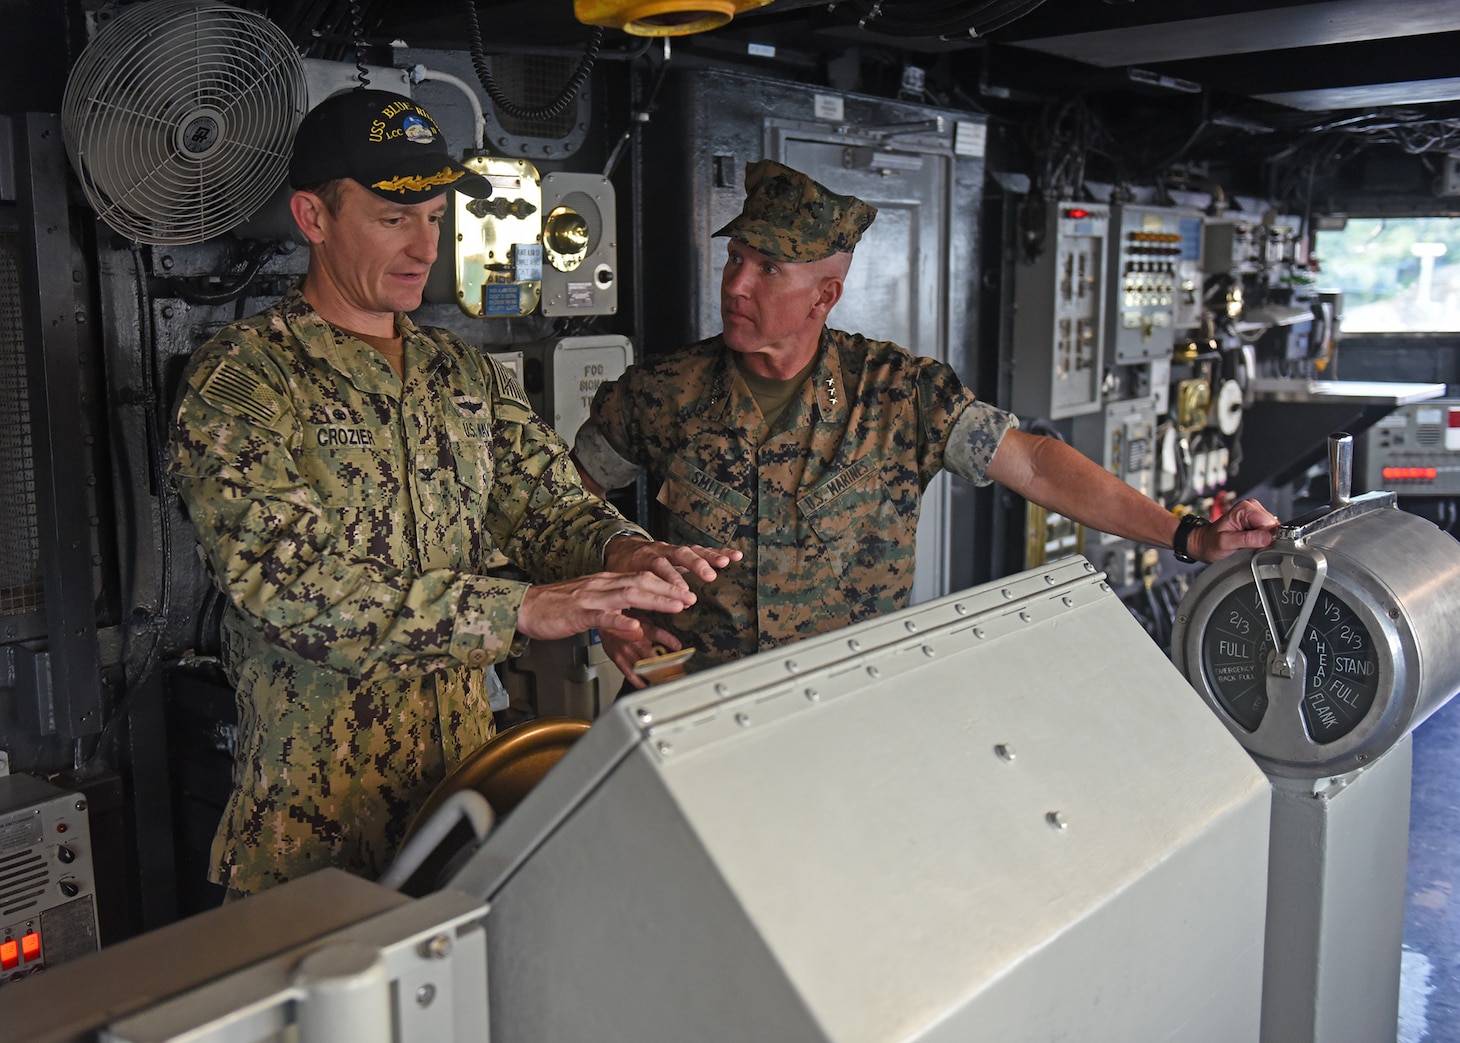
(1340, 663)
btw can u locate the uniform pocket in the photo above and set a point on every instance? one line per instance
(708, 510)
(470, 440)
(348, 465)
(851, 506)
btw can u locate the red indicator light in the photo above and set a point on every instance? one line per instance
(1077, 213)
(1410, 474)
(9, 954)
(30, 946)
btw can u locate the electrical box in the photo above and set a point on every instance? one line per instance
(1230, 246)
(1059, 323)
(1414, 451)
(47, 884)
(579, 245)
(1122, 439)
(1151, 250)
(1187, 306)
(498, 255)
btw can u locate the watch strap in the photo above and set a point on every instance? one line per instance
(1182, 537)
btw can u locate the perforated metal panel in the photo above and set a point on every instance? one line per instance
(532, 82)
(21, 582)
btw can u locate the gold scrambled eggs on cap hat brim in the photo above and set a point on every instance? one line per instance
(790, 217)
(383, 141)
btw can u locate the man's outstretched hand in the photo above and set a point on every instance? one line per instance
(600, 601)
(668, 561)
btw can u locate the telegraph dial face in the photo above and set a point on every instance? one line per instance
(1334, 677)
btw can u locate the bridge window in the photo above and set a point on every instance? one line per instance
(1397, 274)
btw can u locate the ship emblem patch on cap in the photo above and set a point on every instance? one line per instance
(418, 131)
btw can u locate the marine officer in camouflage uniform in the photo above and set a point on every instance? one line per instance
(808, 448)
(350, 475)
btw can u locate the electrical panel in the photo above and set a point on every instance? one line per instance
(47, 884)
(1187, 306)
(1122, 439)
(498, 252)
(1150, 249)
(1059, 316)
(579, 245)
(1414, 451)
(1231, 246)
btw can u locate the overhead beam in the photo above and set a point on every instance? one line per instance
(1307, 25)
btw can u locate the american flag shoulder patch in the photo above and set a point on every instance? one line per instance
(508, 385)
(234, 389)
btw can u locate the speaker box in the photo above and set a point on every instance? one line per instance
(579, 245)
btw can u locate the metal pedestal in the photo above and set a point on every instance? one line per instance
(1335, 904)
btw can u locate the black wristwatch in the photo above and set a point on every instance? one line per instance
(1184, 527)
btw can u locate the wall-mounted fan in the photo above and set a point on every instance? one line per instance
(179, 116)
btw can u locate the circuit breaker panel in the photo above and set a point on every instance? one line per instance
(1153, 251)
(1059, 329)
(1122, 437)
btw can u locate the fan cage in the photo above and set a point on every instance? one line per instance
(179, 118)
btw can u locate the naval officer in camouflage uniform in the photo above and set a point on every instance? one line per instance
(350, 476)
(808, 448)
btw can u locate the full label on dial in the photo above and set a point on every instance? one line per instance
(1341, 667)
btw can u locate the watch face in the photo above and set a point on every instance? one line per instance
(1340, 663)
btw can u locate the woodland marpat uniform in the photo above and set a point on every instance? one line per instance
(824, 506)
(349, 517)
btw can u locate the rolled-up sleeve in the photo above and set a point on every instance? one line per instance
(600, 460)
(974, 438)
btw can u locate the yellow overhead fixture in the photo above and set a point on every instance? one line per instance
(661, 17)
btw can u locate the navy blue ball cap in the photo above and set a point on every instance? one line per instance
(382, 140)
